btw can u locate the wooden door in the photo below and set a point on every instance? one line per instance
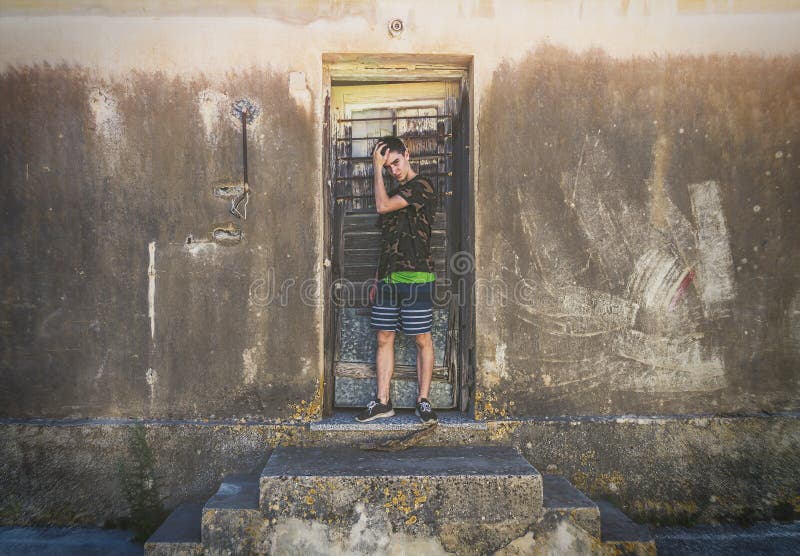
(422, 114)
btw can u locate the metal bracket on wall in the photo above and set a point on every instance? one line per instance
(246, 111)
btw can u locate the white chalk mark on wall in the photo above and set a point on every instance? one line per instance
(674, 364)
(151, 377)
(594, 192)
(793, 324)
(249, 365)
(108, 122)
(577, 311)
(657, 279)
(681, 232)
(306, 367)
(201, 249)
(500, 360)
(715, 268)
(545, 246)
(212, 104)
(151, 290)
(102, 367)
(299, 90)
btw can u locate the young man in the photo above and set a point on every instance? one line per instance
(404, 292)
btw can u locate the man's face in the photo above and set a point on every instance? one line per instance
(399, 166)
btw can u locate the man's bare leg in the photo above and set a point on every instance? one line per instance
(424, 364)
(384, 361)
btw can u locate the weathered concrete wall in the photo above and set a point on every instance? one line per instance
(691, 470)
(623, 183)
(106, 311)
(649, 235)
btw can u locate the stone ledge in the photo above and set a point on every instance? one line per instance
(344, 420)
(179, 534)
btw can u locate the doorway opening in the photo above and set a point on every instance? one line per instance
(426, 102)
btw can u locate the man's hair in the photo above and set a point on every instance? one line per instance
(393, 144)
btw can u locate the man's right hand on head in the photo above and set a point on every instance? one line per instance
(380, 154)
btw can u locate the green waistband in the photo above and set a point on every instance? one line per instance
(411, 277)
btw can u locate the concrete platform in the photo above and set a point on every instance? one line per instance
(623, 536)
(232, 521)
(469, 493)
(470, 500)
(179, 535)
(563, 499)
(404, 419)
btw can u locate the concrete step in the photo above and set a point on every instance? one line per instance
(179, 535)
(565, 501)
(450, 423)
(232, 521)
(474, 496)
(431, 500)
(622, 536)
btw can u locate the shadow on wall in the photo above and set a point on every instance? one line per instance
(649, 208)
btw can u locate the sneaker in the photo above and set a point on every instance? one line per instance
(375, 410)
(425, 412)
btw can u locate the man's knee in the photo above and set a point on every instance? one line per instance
(385, 337)
(424, 340)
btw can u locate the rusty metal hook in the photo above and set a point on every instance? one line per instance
(246, 111)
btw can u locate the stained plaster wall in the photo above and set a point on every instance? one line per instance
(618, 147)
(106, 310)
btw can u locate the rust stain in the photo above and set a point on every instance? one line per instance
(661, 155)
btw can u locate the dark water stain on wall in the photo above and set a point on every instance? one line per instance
(649, 206)
(94, 173)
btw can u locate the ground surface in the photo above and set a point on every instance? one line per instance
(763, 539)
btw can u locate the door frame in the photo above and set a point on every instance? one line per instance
(384, 68)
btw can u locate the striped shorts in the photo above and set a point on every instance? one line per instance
(406, 308)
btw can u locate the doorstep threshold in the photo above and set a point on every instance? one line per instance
(404, 419)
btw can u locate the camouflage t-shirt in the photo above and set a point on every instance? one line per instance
(406, 233)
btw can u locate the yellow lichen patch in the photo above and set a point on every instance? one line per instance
(309, 500)
(405, 502)
(622, 548)
(500, 431)
(588, 457)
(487, 406)
(411, 520)
(309, 410)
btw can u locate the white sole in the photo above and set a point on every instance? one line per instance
(430, 422)
(389, 413)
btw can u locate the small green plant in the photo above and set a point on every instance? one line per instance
(141, 486)
(11, 510)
